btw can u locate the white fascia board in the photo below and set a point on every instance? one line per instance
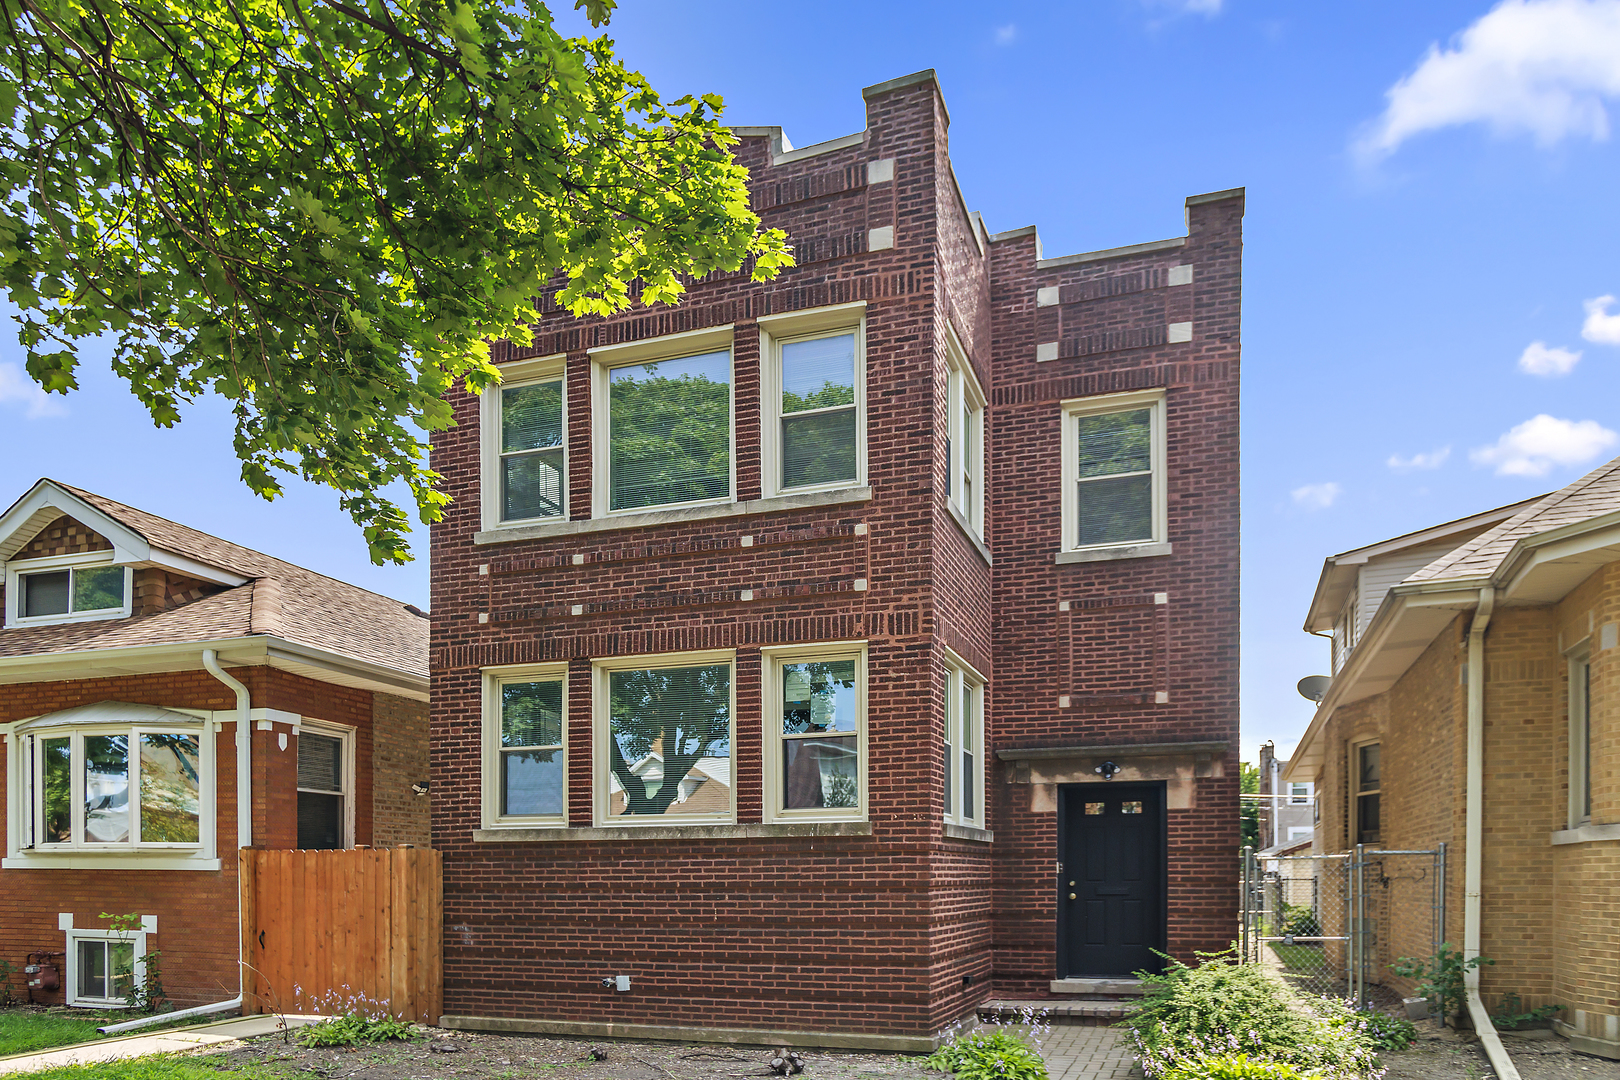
(45, 502)
(389, 680)
(1332, 589)
(181, 564)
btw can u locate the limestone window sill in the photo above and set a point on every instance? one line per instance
(1108, 554)
(1586, 834)
(711, 512)
(968, 832)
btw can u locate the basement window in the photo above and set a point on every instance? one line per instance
(103, 966)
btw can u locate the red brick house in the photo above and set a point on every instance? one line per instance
(130, 648)
(819, 658)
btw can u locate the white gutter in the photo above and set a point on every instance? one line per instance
(244, 790)
(164, 1018)
(1474, 834)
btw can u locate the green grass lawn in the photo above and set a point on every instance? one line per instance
(22, 1031)
(153, 1068)
(1304, 959)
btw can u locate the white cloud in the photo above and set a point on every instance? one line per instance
(1432, 460)
(1600, 326)
(15, 385)
(1537, 67)
(1538, 359)
(1006, 35)
(1534, 447)
(1316, 496)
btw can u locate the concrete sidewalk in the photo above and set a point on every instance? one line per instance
(213, 1035)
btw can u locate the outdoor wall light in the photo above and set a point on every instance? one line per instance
(1106, 770)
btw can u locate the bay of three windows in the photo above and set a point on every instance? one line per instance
(668, 439)
(663, 750)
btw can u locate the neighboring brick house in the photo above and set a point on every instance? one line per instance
(1532, 590)
(120, 768)
(785, 640)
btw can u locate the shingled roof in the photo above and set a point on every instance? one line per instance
(279, 600)
(1595, 494)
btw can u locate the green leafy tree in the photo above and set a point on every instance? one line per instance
(1249, 813)
(682, 713)
(325, 210)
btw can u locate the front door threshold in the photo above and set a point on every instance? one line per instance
(1098, 986)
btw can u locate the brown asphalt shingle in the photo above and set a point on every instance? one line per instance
(282, 600)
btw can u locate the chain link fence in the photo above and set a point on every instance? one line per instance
(1333, 924)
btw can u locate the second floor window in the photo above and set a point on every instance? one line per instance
(69, 588)
(669, 432)
(820, 417)
(531, 451)
(964, 440)
(1114, 471)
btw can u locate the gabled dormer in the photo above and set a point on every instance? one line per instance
(69, 560)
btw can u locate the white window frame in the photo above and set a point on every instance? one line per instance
(17, 569)
(965, 430)
(1073, 409)
(71, 968)
(494, 679)
(1579, 666)
(778, 330)
(602, 731)
(541, 369)
(961, 680)
(1302, 797)
(773, 659)
(345, 735)
(1296, 833)
(1356, 793)
(670, 347)
(25, 817)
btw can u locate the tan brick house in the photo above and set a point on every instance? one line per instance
(132, 652)
(829, 655)
(1500, 627)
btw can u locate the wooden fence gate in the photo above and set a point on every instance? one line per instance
(322, 928)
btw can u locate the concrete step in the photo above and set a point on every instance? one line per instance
(1090, 1011)
(1097, 987)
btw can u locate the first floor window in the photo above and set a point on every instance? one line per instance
(1114, 486)
(531, 450)
(669, 431)
(1367, 772)
(668, 736)
(964, 745)
(815, 730)
(115, 787)
(527, 777)
(324, 790)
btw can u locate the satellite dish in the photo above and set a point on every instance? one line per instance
(1314, 687)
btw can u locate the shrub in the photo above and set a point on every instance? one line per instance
(355, 1030)
(1388, 1032)
(1511, 1014)
(1234, 1067)
(1441, 977)
(1221, 1009)
(988, 1054)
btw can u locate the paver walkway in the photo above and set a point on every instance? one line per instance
(137, 1044)
(1086, 1052)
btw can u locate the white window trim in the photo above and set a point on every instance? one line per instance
(24, 818)
(521, 373)
(1578, 667)
(962, 393)
(494, 677)
(1075, 408)
(346, 735)
(778, 330)
(71, 972)
(601, 732)
(1354, 769)
(773, 658)
(964, 677)
(17, 569)
(670, 347)
(1302, 798)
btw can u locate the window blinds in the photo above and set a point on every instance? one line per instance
(818, 411)
(531, 451)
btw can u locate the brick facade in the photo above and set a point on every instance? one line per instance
(898, 925)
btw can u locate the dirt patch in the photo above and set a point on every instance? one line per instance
(508, 1057)
(1442, 1054)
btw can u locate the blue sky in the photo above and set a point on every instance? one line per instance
(1431, 233)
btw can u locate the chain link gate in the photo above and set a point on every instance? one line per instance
(1332, 924)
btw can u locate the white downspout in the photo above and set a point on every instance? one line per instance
(244, 789)
(1474, 838)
